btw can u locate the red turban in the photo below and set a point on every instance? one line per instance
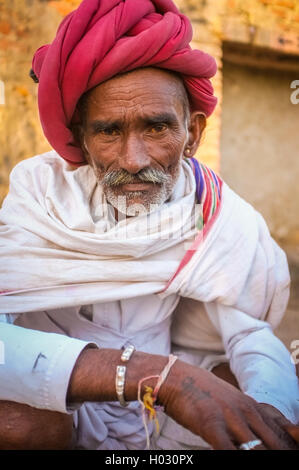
(103, 38)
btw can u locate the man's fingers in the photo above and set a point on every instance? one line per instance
(241, 433)
(217, 435)
(293, 431)
(282, 427)
(268, 436)
(222, 441)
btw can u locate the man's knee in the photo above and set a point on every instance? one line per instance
(223, 372)
(24, 427)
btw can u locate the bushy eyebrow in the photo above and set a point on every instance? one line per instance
(165, 118)
(99, 125)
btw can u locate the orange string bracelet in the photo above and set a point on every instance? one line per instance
(147, 403)
(163, 375)
(150, 397)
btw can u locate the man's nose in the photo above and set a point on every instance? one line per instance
(134, 156)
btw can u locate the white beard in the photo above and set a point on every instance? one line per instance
(148, 203)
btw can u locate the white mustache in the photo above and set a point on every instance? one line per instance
(147, 175)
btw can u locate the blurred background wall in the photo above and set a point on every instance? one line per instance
(252, 139)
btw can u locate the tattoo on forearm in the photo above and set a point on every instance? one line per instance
(194, 392)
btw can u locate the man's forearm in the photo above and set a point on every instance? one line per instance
(93, 377)
(193, 397)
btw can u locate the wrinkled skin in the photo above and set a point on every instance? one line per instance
(136, 122)
(23, 427)
(224, 416)
(217, 411)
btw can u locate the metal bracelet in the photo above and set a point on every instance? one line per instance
(120, 384)
(121, 374)
(128, 351)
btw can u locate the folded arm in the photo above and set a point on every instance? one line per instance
(195, 398)
(35, 362)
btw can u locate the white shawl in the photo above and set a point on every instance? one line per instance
(60, 246)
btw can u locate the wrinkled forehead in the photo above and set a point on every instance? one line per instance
(150, 88)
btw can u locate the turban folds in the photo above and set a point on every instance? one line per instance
(103, 38)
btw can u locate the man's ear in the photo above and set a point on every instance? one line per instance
(197, 124)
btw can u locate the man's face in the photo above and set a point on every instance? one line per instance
(135, 131)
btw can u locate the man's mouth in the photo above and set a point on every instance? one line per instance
(136, 186)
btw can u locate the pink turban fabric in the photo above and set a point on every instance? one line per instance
(103, 38)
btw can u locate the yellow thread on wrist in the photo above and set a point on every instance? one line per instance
(148, 401)
(150, 397)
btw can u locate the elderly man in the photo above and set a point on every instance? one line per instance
(132, 277)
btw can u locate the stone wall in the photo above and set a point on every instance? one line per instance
(269, 24)
(252, 139)
(24, 26)
(260, 142)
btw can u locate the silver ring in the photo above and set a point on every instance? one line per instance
(250, 445)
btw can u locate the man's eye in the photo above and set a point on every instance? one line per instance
(110, 131)
(157, 128)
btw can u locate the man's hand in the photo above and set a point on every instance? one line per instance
(221, 414)
(283, 428)
(268, 412)
(195, 398)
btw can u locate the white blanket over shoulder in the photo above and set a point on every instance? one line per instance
(60, 247)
